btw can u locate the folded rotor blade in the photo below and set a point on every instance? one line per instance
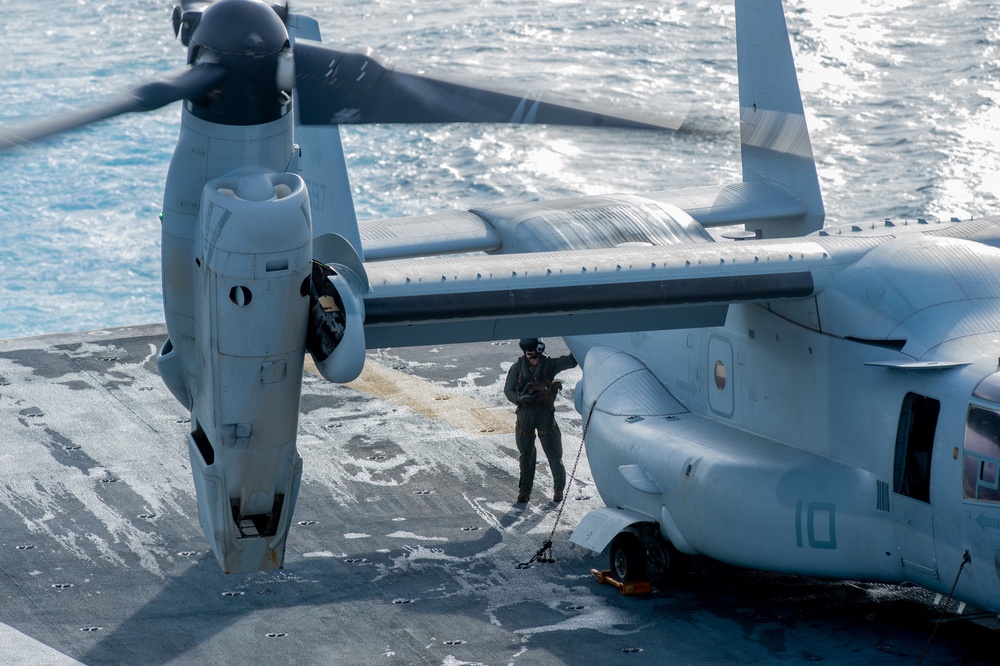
(336, 87)
(189, 84)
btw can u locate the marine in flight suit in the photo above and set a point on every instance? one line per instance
(530, 386)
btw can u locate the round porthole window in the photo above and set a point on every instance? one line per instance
(240, 296)
(720, 375)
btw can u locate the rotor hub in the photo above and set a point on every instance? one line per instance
(249, 39)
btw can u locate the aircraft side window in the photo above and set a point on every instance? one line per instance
(981, 462)
(914, 442)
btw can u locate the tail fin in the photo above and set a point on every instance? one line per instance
(775, 141)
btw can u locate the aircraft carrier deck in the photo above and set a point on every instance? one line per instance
(405, 544)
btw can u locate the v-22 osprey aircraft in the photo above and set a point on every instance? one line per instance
(791, 398)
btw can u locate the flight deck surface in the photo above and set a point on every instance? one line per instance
(405, 546)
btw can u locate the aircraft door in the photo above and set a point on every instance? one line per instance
(911, 508)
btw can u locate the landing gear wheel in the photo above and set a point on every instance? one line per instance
(628, 558)
(673, 566)
(664, 563)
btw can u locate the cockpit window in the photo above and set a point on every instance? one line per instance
(981, 464)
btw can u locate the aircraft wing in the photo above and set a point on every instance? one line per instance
(495, 297)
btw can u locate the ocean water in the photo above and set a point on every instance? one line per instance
(901, 99)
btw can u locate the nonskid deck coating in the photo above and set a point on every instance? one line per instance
(405, 544)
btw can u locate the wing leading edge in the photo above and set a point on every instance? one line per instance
(479, 298)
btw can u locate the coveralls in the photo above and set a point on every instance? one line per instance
(538, 416)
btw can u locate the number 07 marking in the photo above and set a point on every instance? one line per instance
(819, 524)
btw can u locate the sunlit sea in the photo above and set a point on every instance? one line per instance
(902, 100)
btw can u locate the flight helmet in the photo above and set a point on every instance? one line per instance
(531, 344)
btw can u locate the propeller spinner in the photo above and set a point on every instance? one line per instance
(249, 40)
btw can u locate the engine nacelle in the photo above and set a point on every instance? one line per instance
(253, 254)
(204, 151)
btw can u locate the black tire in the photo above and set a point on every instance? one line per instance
(676, 565)
(628, 558)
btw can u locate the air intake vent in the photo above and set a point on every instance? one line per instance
(882, 504)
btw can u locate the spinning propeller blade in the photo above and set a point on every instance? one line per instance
(188, 84)
(239, 50)
(336, 88)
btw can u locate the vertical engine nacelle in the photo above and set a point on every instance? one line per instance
(205, 150)
(253, 252)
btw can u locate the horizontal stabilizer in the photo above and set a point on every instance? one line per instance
(427, 235)
(749, 204)
(661, 218)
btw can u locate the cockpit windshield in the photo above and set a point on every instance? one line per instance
(981, 464)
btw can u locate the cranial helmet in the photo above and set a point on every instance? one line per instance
(531, 344)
